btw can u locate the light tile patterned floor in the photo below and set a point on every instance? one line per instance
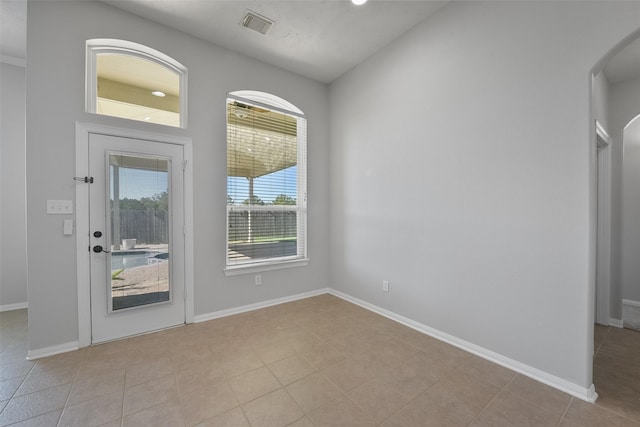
(314, 362)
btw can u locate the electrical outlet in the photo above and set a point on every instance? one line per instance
(385, 285)
(258, 280)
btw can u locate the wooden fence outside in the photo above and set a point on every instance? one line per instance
(148, 226)
(264, 225)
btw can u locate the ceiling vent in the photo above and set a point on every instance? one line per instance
(256, 22)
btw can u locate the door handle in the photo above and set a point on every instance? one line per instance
(97, 249)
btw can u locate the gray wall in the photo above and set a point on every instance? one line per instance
(56, 37)
(461, 171)
(13, 250)
(458, 170)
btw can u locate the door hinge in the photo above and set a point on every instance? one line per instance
(184, 165)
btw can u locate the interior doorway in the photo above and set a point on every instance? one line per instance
(615, 89)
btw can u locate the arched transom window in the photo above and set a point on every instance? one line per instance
(132, 81)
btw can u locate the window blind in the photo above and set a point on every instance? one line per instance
(266, 184)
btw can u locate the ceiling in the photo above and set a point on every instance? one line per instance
(319, 39)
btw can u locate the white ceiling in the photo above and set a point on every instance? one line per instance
(319, 39)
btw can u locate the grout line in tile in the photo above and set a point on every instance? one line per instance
(27, 394)
(502, 390)
(415, 398)
(39, 415)
(66, 401)
(244, 415)
(619, 414)
(124, 396)
(602, 341)
(523, 399)
(599, 348)
(16, 390)
(562, 418)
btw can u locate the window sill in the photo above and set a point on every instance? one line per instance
(237, 270)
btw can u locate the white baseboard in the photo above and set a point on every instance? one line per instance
(616, 323)
(54, 349)
(631, 314)
(16, 306)
(13, 60)
(631, 302)
(251, 307)
(586, 394)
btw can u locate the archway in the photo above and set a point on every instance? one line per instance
(615, 103)
(617, 64)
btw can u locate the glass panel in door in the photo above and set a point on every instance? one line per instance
(139, 231)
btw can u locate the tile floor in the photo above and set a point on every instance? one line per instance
(320, 361)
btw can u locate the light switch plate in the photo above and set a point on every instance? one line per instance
(59, 207)
(67, 227)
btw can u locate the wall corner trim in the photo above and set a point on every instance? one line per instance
(592, 396)
(53, 350)
(583, 393)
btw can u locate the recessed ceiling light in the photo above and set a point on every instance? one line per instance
(147, 118)
(158, 93)
(358, 2)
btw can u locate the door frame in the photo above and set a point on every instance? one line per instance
(603, 224)
(83, 130)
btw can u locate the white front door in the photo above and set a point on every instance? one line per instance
(136, 236)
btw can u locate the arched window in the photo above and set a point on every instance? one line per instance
(266, 183)
(132, 81)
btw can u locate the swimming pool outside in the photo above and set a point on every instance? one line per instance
(130, 259)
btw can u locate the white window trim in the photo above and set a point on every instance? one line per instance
(124, 47)
(236, 270)
(275, 103)
(266, 100)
